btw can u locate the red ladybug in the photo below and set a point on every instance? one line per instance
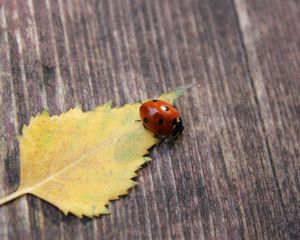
(161, 118)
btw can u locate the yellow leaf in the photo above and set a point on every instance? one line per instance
(78, 161)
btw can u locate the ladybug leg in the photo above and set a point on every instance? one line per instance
(173, 138)
(178, 128)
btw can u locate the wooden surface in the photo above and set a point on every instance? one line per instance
(234, 174)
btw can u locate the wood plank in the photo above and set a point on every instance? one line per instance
(234, 173)
(273, 59)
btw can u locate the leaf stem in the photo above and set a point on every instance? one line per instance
(13, 196)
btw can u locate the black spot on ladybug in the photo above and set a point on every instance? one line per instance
(154, 100)
(160, 131)
(160, 121)
(145, 120)
(174, 121)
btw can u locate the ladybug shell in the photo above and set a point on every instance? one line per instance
(159, 117)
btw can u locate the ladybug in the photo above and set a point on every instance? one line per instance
(161, 118)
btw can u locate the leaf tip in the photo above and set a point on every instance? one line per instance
(105, 211)
(170, 97)
(147, 159)
(109, 104)
(45, 113)
(182, 89)
(78, 106)
(134, 183)
(66, 212)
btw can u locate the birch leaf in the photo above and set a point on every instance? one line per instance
(79, 161)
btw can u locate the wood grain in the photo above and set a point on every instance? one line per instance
(234, 174)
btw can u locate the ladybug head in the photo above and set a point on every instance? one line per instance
(177, 127)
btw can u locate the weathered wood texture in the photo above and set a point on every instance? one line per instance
(234, 174)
